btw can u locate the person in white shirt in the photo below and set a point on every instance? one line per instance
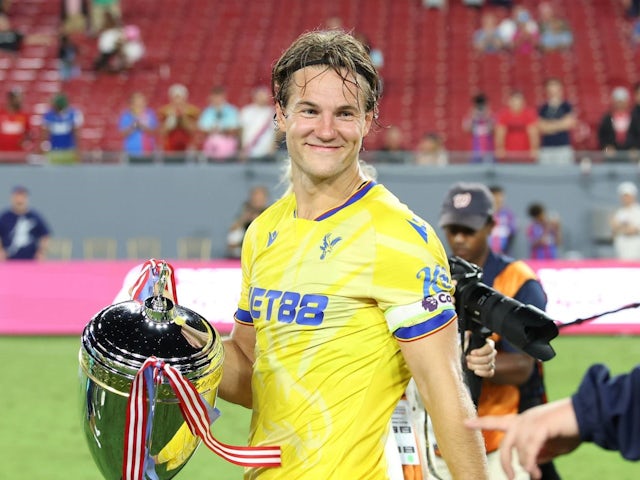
(256, 123)
(625, 224)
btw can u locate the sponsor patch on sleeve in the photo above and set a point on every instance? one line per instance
(422, 318)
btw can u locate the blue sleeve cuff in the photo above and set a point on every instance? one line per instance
(244, 317)
(426, 328)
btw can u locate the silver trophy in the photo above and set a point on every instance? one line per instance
(115, 344)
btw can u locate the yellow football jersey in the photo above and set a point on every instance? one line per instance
(329, 299)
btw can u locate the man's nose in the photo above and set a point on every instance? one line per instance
(325, 128)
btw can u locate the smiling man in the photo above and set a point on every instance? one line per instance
(346, 294)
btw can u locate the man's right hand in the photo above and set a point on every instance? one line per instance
(538, 435)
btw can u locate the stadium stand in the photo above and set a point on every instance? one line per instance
(430, 70)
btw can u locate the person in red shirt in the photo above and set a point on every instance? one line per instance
(14, 129)
(178, 120)
(516, 133)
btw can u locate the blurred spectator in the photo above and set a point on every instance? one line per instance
(110, 41)
(99, 10)
(132, 49)
(434, 3)
(480, 122)
(393, 149)
(504, 229)
(178, 120)
(258, 138)
(220, 122)
(625, 223)
(5, 5)
(487, 38)
(119, 47)
(555, 33)
(516, 134)
(138, 124)
(12, 40)
(544, 233)
(633, 132)
(631, 7)
(507, 31)
(527, 35)
(614, 126)
(556, 119)
(15, 129)
(23, 232)
(74, 16)
(256, 203)
(635, 34)
(67, 58)
(431, 151)
(61, 124)
(557, 37)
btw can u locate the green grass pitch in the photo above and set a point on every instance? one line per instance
(40, 433)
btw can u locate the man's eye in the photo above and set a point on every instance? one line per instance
(346, 115)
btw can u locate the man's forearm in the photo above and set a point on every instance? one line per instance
(464, 454)
(235, 385)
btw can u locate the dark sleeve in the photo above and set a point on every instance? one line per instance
(633, 134)
(41, 229)
(604, 132)
(530, 293)
(608, 410)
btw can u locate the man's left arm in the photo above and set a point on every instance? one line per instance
(435, 364)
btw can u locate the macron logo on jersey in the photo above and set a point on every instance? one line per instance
(421, 228)
(272, 238)
(327, 245)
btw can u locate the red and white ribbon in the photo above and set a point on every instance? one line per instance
(195, 413)
(149, 275)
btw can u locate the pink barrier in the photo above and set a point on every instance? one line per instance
(59, 298)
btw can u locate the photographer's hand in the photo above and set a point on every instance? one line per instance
(482, 361)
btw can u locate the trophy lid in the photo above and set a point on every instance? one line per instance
(122, 336)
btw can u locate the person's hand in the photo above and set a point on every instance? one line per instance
(482, 361)
(538, 435)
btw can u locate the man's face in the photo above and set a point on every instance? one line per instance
(324, 122)
(14, 101)
(554, 90)
(217, 99)
(468, 244)
(516, 102)
(19, 202)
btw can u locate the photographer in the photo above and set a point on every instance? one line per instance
(467, 220)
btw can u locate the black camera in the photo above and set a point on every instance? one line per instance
(484, 310)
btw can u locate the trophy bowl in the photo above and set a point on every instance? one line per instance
(114, 345)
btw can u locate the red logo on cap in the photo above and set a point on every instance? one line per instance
(461, 200)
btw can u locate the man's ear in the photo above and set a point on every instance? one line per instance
(280, 118)
(368, 121)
